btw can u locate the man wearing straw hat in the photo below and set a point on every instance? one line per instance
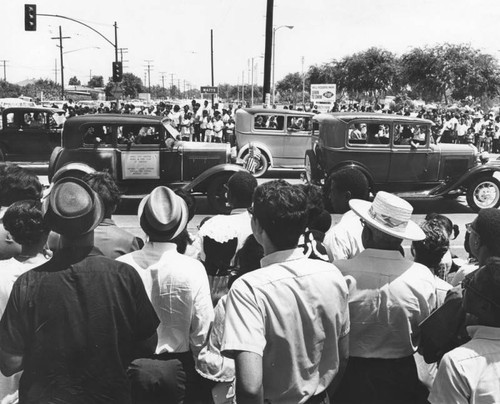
(74, 323)
(389, 296)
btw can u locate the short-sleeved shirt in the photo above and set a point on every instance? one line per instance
(389, 296)
(292, 312)
(76, 321)
(470, 373)
(344, 239)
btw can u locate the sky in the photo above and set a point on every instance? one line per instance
(173, 37)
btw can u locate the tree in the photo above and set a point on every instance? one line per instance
(73, 81)
(132, 86)
(48, 88)
(8, 90)
(96, 81)
(289, 87)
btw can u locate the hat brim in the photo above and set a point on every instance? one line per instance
(412, 232)
(161, 235)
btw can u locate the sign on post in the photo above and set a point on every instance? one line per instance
(323, 96)
(209, 90)
(117, 91)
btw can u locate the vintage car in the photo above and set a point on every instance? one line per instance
(397, 154)
(141, 152)
(29, 134)
(279, 135)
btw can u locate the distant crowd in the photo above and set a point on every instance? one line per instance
(271, 303)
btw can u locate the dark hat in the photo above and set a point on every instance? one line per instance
(72, 208)
(163, 214)
(485, 283)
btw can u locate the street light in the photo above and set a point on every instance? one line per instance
(274, 48)
(253, 67)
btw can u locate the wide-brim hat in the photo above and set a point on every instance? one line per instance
(163, 214)
(72, 208)
(389, 214)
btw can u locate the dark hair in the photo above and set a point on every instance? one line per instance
(451, 229)
(241, 186)
(18, 184)
(318, 217)
(25, 223)
(247, 258)
(487, 225)
(350, 179)
(190, 201)
(182, 241)
(105, 186)
(281, 209)
(430, 251)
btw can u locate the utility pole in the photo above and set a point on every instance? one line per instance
(60, 37)
(268, 53)
(55, 71)
(243, 87)
(163, 81)
(171, 82)
(179, 86)
(4, 70)
(149, 74)
(212, 59)
(303, 84)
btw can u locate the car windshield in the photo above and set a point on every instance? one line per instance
(172, 132)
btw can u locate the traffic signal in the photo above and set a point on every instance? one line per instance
(117, 72)
(30, 17)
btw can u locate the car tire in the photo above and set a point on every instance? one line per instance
(263, 166)
(482, 193)
(216, 194)
(313, 172)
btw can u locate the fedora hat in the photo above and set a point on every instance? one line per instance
(163, 214)
(72, 208)
(389, 214)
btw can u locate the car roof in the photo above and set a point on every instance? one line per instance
(347, 117)
(109, 119)
(32, 109)
(260, 110)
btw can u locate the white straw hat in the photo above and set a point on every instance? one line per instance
(390, 214)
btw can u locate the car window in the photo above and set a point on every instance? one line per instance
(411, 134)
(299, 124)
(138, 134)
(93, 135)
(269, 122)
(368, 134)
(11, 123)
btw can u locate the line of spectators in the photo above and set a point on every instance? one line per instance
(271, 303)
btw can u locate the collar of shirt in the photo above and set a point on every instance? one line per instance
(107, 222)
(483, 332)
(156, 249)
(282, 256)
(2, 211)
(238, 211)
(384, 254)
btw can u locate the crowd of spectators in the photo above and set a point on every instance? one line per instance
(271, 303)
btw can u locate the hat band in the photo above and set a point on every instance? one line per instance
(387, 220)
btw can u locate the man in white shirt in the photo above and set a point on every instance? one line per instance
(287, 323)
(178, 288)
(469, 373)
(344, 239)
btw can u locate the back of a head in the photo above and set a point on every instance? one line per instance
(18, 184)
(241, 186)
(353, 180)
(281, 209)
(105, 186)
(319, 218)
(24, 221)
(487, 225)
(431, 250)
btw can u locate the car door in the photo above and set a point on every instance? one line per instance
(410, 163)
(296, 139)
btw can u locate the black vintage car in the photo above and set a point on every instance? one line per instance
(142, 152)
(29, 134)
(397, 154)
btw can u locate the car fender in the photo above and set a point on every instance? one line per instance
(355, 164)
(201, 182)
(465, 179)
(259, 145)
(53, 161)
(80, 167)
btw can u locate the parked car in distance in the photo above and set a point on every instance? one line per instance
(280, 135)
(397, 154)
(29, 134)
(141, 152)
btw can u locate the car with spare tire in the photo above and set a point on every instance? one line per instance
(398, 154)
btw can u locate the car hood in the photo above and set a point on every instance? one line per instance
(448, 148)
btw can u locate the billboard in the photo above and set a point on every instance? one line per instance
(323, 96)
